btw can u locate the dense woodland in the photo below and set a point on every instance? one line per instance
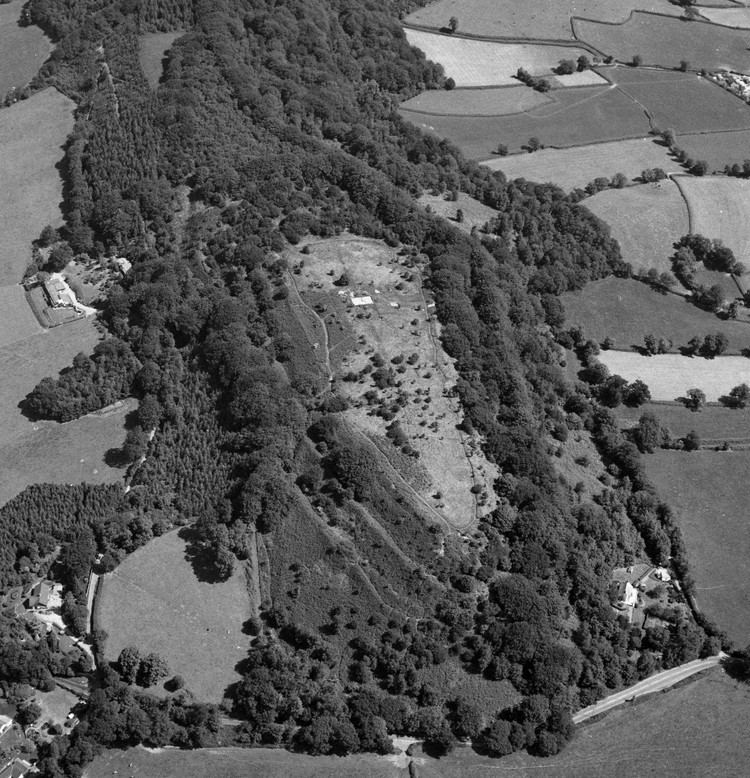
(279, 120)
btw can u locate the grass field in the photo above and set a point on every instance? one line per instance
(669, 376)
(574, 117)
(709, 492)
(717, 148)
(724, 280)
(582, 78)
(664, 41)
(499, 101)
(155, 600)
(626, 310)
(714, 424)
(152, 46)
(731, 17)
(17, 320)
(33, 133)
(645, 220)
(531, 19)
(484, 63)
(720, 208)
(22, 49)
(576, 167)
(671, 99)
(475, 214)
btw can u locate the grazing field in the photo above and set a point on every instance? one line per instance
(626, 310)
(669, 376)
(499, 101)
(574, 117)
(22, 49)
(665, 41)
(155, 600)
(576, 167)
(717, 148)
(724, 280)
(530, 19)
(582, 78)
(720, 208)
(645, 220)
(17, 321)
(714, 424)
(475, 213)
(731, 17)
(152, 46)
(671, 99)
(485, 63)
(689, 731)
(709, 492)
(33, 133)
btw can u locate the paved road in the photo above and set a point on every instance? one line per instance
(650, 685)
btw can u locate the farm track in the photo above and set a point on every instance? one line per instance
(312, 312)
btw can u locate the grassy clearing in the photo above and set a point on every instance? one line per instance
(665, 41)
(583, 78)
(671, 98)
(531, 19)
(484, 63)
(30, 186)
(687, 732)
(56, 705)
(238, 763)
(156, 601)
(579, 462)
(576, 167)
(669, 376)
(152, 46)
(645, 220)
(499, 101)
(22, 49)
(475, 213)
(397, 325)
(719, 208)
(574, 117)
(17, 320)
(710, 492)
(730, 17)
(714, 423)
(626, 310)
(717, 148)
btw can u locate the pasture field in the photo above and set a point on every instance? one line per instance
(709, 492)
(724, 280)
(689, 731)
(717, 148)
(645, 220)
(719, 208)
(17, 320)
(671, 99)
(576, 167)
(486, 63)
(626, 310)
(583, 78)
(574, 117)
(530, 19)
(730, 17)
(498, 101)
(152, 46)
(669, 376)
(22, 49)
(156, 601)
(714, 424)
(664, 41)
(475, 213)
(33, 133)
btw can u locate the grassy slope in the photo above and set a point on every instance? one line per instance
(645, 220)
(475, 213)
(485, 102)
(626, 310)
(710, 492)
(717, 148)
(23, 50)
(155, 600)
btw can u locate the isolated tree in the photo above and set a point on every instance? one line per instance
(453, 23)
(449, 84)
(459, 215)
(502, 149)
(128, 663)
(699, 168)
(533, 143)
(684, 65)
(637, 61)
(691, 441)
(650, 344)
(648, 433)
(739, 396)
(695, 399)
(619, 180)
(565, 67)
(583, 63)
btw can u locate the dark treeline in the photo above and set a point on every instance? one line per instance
(279, 121)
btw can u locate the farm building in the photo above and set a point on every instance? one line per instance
(363, 300)
(16, 768)
(58, 293)
(624, 595)
(6, 723)
(40, 594)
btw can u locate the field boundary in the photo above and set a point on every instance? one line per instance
(661, 16)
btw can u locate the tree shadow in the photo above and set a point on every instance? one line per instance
(198, 553)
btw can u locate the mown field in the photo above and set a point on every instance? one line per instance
(731, 17)
(672, 99)
(23, 49)
(574, 117)
(714, 424)
(33, 133)
(531, 19)
(664, 41)
(17, 320)
(645, 220)
(499, 101)
(710, 492)
(485, 63)
(669, 376)
(626, 310)
(717, 148)
(155, 600)
(152, 46)
(576, 167)
(719, 208)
